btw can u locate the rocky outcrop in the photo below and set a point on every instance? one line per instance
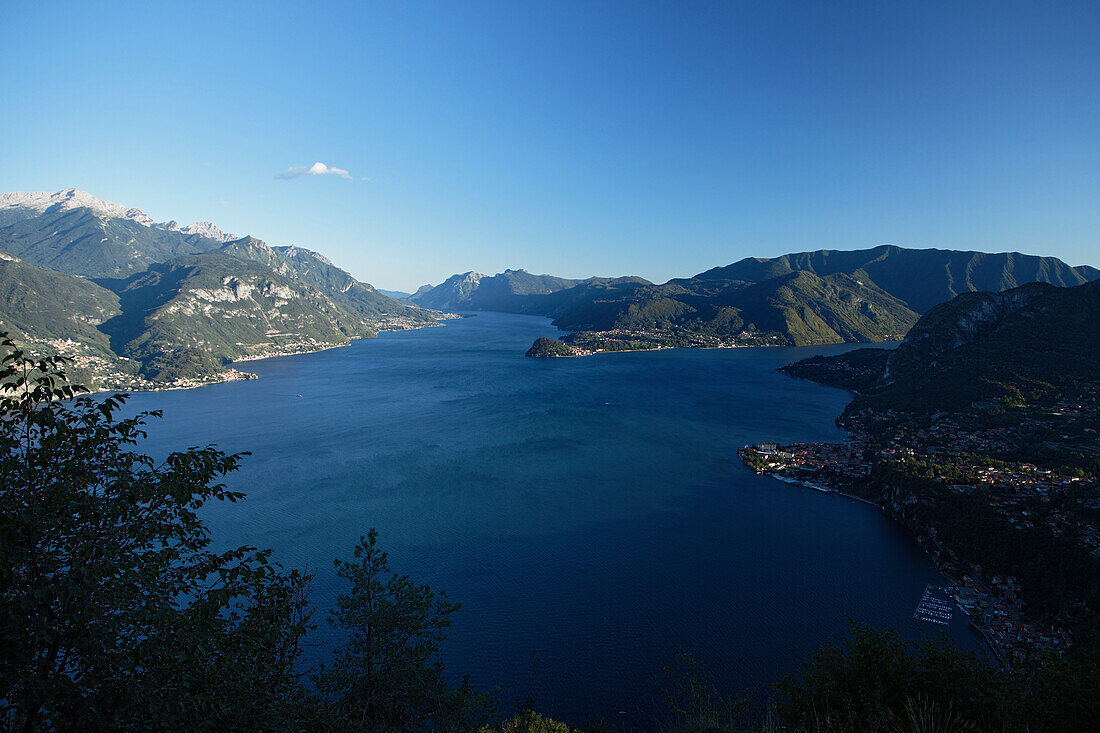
(455, 292)
(950, 325)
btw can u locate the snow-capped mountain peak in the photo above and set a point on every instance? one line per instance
(71, 198)
(74, 198)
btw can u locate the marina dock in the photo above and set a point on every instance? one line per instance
(935, 606)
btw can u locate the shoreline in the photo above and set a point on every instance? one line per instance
(594, 352)
(806, 485)
(665, 347)
(982, 633)
(230, 374)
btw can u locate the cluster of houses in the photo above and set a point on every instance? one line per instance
(1026, 495)
(996, 609)
(845, 459)
(108, 375)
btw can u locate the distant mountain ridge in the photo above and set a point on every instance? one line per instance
(150, 279)
(921, 278)
(25, 204)
(827, 296)
(504, 291)
(79, 241)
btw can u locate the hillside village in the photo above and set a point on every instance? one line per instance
(954, 455)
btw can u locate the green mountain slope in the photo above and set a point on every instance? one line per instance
(184, 319)
(1021, 346)
(49, 313)
(81, 242)
(188, 316)
(44, 305)
(799, 299)
(169, 305)
(795, 308)
(318, 272)
(920, 278)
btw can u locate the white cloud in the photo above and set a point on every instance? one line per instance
(317, 169)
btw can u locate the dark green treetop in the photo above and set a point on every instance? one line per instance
(115, 613)
(387, 676)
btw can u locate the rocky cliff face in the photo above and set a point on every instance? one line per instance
(950, 325)
(202, 229)
(455, 292)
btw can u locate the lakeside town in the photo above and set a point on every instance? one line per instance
(586, 343)
(915, 469)
(93, 368)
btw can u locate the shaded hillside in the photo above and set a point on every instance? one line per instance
(37, 304)
(856, 371)
(1048, 345)
(594, 293)
(510, 291)
(82, 242)
(1024, 345)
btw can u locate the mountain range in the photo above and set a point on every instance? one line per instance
(827, 296)
(136, 304)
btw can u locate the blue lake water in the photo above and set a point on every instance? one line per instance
(591, 515)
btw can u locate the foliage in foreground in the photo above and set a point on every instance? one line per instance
(386, 676)
(115, 612)
(876, 681)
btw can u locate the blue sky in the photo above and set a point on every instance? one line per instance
(591, 138)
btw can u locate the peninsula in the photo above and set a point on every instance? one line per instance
(980, 434)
